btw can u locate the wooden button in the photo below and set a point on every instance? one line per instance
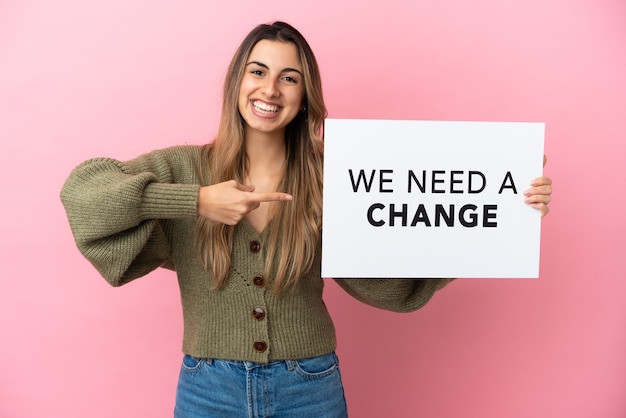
(258, 281)
(255, 246)
(258, 313)
(260, 346)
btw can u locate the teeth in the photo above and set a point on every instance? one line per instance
(264, 107)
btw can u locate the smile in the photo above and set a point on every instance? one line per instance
(265, 108)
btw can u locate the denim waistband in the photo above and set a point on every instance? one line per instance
(250, 365)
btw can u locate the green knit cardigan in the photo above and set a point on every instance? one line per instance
(129, 218)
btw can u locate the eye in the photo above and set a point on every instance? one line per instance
(256, 72)
(290, 79)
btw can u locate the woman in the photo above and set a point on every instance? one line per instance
(239, 221)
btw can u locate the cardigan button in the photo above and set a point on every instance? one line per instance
(258, 313)
(255, 246)
(260, 346)
(259, 281)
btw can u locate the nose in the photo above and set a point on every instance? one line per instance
(270, 88)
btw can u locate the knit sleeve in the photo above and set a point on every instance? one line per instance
(398, 295)
(117, 211)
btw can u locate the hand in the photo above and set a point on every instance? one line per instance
(229, 202)
(539, 194)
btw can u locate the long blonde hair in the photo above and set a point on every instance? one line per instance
(294, 229)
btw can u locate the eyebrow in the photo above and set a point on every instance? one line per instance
(284, 70)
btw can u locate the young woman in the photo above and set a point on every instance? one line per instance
(239, 220)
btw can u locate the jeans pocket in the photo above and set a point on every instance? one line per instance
(317, 367)
(191, 364)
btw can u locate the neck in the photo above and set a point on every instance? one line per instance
(265, 152)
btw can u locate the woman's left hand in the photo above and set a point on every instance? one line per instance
(539, 194)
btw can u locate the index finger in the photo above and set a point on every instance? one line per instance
(270, 197)
(539, 181)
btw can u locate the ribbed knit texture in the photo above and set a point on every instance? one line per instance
(129, 218)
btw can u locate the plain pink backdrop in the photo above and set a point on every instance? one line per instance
(80, 79)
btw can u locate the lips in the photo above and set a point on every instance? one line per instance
(265, 108)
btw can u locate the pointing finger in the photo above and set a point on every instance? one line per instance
(271, 197)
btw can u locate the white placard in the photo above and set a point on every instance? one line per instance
(416, 199)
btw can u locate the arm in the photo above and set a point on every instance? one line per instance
(397, 295)
(115, 210)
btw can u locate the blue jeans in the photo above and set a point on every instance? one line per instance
(307, 388)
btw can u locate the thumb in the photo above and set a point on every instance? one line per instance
(245, 188)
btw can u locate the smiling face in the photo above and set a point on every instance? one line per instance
(272, 88)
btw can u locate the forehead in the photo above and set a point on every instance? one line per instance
(276, 54)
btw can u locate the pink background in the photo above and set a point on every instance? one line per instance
(81, 78)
